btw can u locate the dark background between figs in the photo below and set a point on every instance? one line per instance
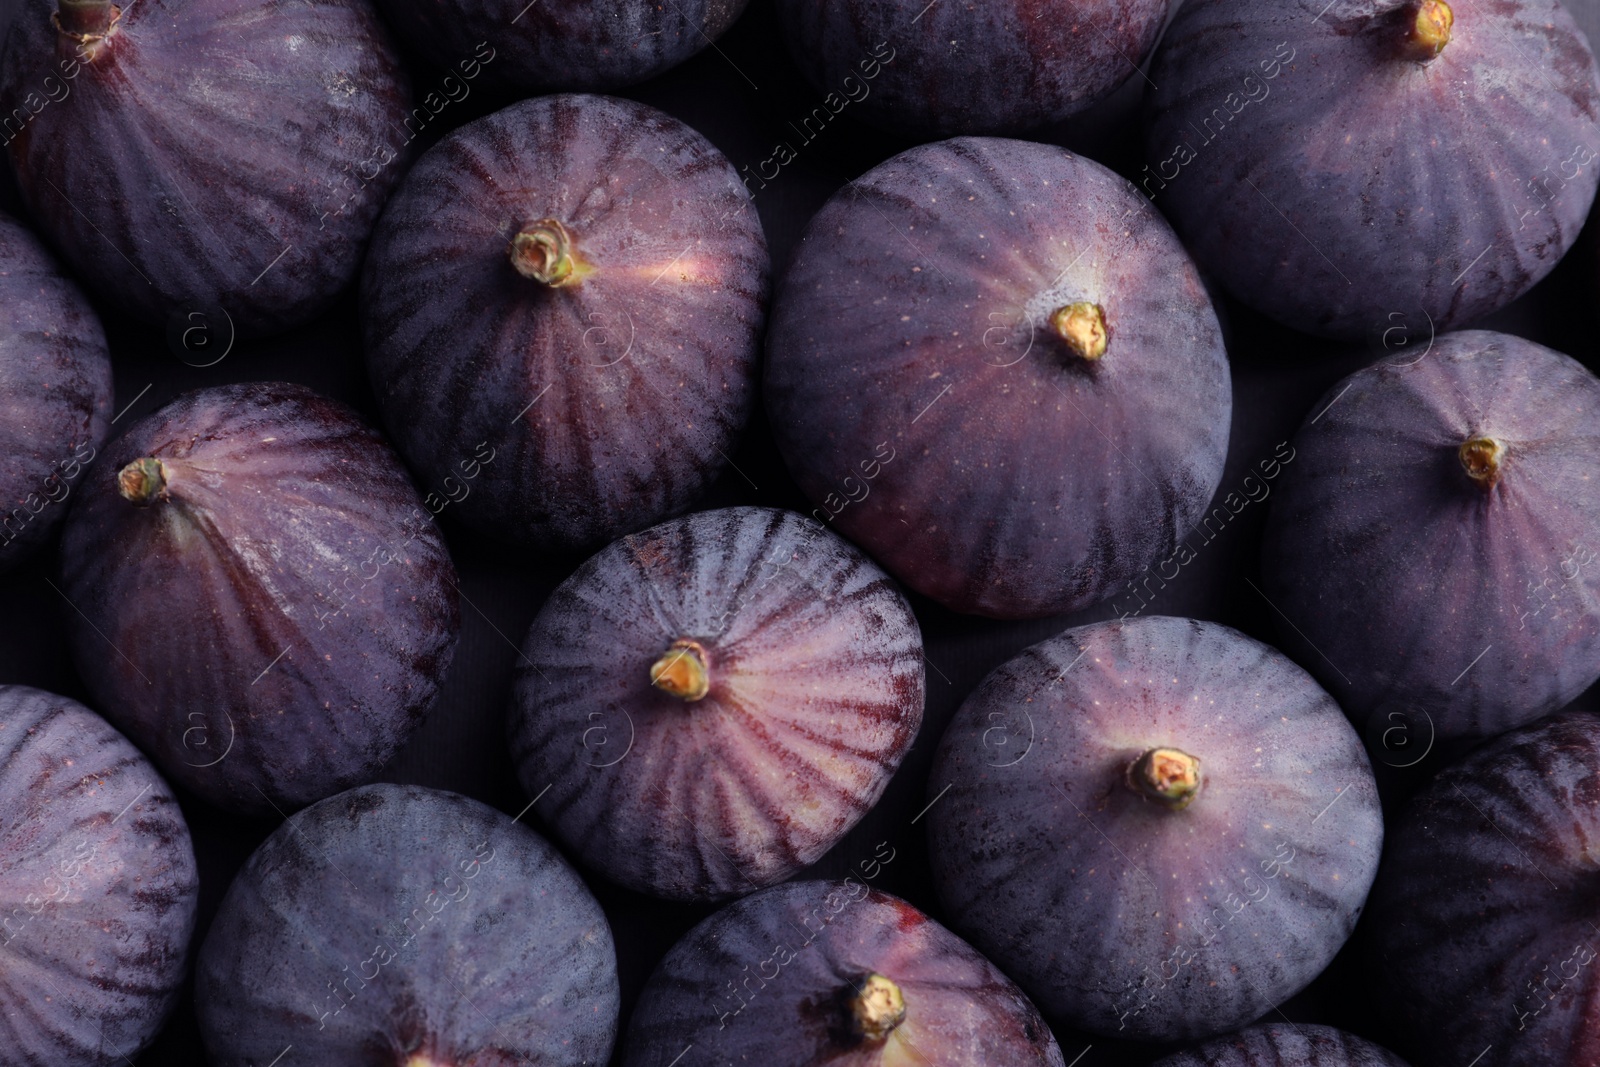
(744, 94)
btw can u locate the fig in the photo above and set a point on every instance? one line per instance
(1433, 545)
(1184, 840)
(711, 704)
(576, 283)
(407, 927)
(995, 369)
(1482, 937)
(1286, 1045)
(858, 977)
(963, 68)
(222, 158)
(55, 391)
(97, 887)
(226, 619)
(1338, 162)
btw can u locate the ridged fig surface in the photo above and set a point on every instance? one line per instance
(1482, 934)
(1413, 588)
(272, 625)
(960, 68)
(208, 154)
(775, 979)
(396, 926)
(1285, 1044)
(915, 325)
(55, 391)
(609, 395)
(1125, 915)
(97, 888)
(813, 690)
(1331, 175)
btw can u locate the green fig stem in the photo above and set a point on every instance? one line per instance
(1482, 458)
(1168, 776)
(143, 482)
(544, 252)
(86, 19)
(1428, 26)
(877, 1008)
(682, 671)
(1083, 327)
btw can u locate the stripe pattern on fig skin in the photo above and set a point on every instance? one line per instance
(610, 402)
(220, 146)
(817, 688)
(1286, 1045)
(295, 673)
(1482, 927)
(98, 887)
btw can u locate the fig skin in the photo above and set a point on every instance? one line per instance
(55, 391)
(611, 400)
(942, 69)
(1045, 481)
(97, 887)
(294, 672)
(407, 927)
(209, 154)
(1409, 586)
(1346, 181)
(1486, 897)
(1286, 1045)
(710, 990)
(565, 44)
(1118, 913)
(814, 692)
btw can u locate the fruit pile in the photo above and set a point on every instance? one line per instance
(670, 535)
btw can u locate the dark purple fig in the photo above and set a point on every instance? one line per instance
(562, 44)
(945, 68)
(1159, 827)
(97, 887)
(206, 157)
(995, 369)
(55, 391)
(576, 285)
(709, 705)
(1482, 934)
(262, 603)
(857, 977)
(396, 926)
(1340, 162)
(1433, 545)
(1286, 1045)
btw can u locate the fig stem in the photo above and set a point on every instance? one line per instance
(681, 670)
(1481, 458)
(877, 1008)
(1169, 776)
(143, 482)
(1429, 25)
(1083, 327)
(543, 251)
(86, 19)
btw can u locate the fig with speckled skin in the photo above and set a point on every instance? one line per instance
(993, 367)
(833, 972)
(1435, 547)
(578, 284)
(1482, 933)
(55, 392)
(262, 602)
(1286, 1045)
(97, 887)
(396, 926)
(708, 706)
(1159, 827)
(1339, 163)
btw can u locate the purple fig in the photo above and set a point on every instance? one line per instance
(1286, 1045)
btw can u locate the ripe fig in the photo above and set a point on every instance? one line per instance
(97, 887)
(858, 977)
(1337, 163)
(996, 370)
(1433, 546)
(55, 391)
(577, 283)
(1482, 935)
(226, 617)
(938, 69)
(206, 157)
(711, 704)
(407, 927)
(1159, 827)
(1286, 1045)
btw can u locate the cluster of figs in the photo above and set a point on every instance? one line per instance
(995, 370)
